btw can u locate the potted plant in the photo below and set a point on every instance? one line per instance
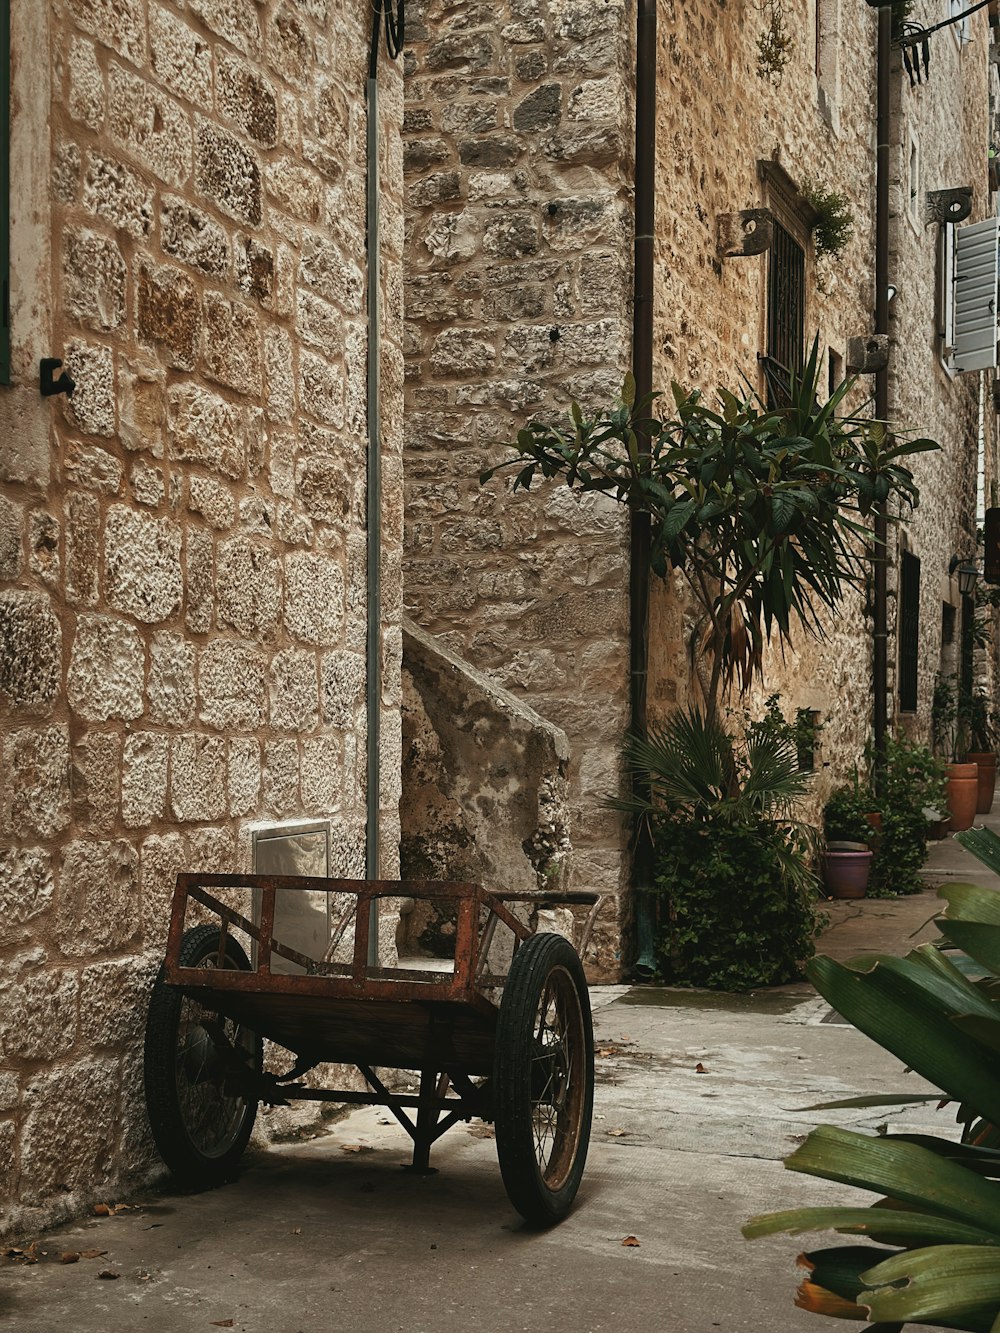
(983, 748)
(949, 722)
(847, 828)
(913, 790)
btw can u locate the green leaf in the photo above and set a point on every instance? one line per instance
(875, 1223)
(628, 390)
(902, 1170)
(944, 1280)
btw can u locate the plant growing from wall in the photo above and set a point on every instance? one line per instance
(730, 858)
(760, 509)
(775, 44)
(834, 221)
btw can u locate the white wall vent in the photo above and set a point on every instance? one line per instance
(976, 275)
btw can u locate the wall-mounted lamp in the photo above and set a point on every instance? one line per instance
(968, 576)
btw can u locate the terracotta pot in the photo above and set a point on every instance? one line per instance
(986, 762)
(845, 874)
(963, 795)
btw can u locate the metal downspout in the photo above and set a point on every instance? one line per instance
(642, 369)
(880, 647)
(373, 791)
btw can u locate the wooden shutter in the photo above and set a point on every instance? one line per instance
(976, 273)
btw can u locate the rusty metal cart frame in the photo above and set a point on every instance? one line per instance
(525, 1063)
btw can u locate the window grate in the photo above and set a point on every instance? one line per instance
(786, 300)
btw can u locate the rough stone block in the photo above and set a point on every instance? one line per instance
(511, 236)
(92, 406)
(71, 1128)
(232, 343)
(115, 23)
(97, 897)
(118, 193)
(114, 995)
(234, 20)
(204, 428)
(44, 547)
(38, 1015)
(254, 269)
(462, 352)
(326, 490)
(94, 279)
(92, 468)
(336, 279)
(343, 679)
(294, 691)
(281, 777)
(247, 99)
(11, 539)
(151, 127)
(107, 669)
(227, 173)
(193, 237)
(26, 886)
(289, 46)
(147, 485)
(321, 388)
(314, 598)
(30, 650)
(144, 778)
(142, 407)
(211, 851)
(199, 586)
(197, 777)
(244, 775)
(212, 499)
(232, 689)
(320, 324)
(293, 188)
(168, 313)
(142, 565)
(170, 690)
(540, 110)
(95, 779)
(182, 59)
(279, 372)
(248, 588)
(322, 774)
(83, 545)
(161, 859)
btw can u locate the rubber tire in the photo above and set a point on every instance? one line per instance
(187, 1162)
(539, 1201)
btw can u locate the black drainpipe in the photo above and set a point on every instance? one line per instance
(642, 369)
(880, 655)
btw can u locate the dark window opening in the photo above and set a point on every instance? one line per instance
(786, 304)
(909, 631)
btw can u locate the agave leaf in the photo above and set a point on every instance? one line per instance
(895, 1228)
(980, 941)
(985, 1030)
(984, 844)
(877, 1099)
(902, 1011)
(942, 1280)
(906, 1171)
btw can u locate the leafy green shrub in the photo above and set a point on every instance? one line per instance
(844, 813)
(834, 217)
(912, 782)
(731, 863)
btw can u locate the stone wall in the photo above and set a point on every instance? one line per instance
(518, 254)
(182, 544)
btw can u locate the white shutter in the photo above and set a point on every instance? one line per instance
(976, 274)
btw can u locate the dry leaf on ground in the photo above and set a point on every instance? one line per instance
(70, 1257)
(356, 1147)
(700, 1068)
(616, 1133)
(109, 1273)
(631, 1242)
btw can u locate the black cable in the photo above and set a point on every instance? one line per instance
(391, 15)
(919, 34)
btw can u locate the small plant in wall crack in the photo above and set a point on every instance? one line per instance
(775, 43)
(834, 223)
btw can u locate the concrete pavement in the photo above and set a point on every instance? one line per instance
(331, 1235)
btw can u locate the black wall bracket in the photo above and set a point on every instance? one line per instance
(949, 205)
(48, 384)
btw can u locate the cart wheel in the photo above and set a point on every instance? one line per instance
(200, 1127)
(543, 1078)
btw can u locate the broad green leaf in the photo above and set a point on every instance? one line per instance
(905, 1171)
(979, 941)
(972, 902)
(876, 1223)
(943, 1280)
(628, 390)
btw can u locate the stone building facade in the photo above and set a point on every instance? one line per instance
(182, 542)
(519, 129)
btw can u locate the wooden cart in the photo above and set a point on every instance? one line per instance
(501, 1032)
